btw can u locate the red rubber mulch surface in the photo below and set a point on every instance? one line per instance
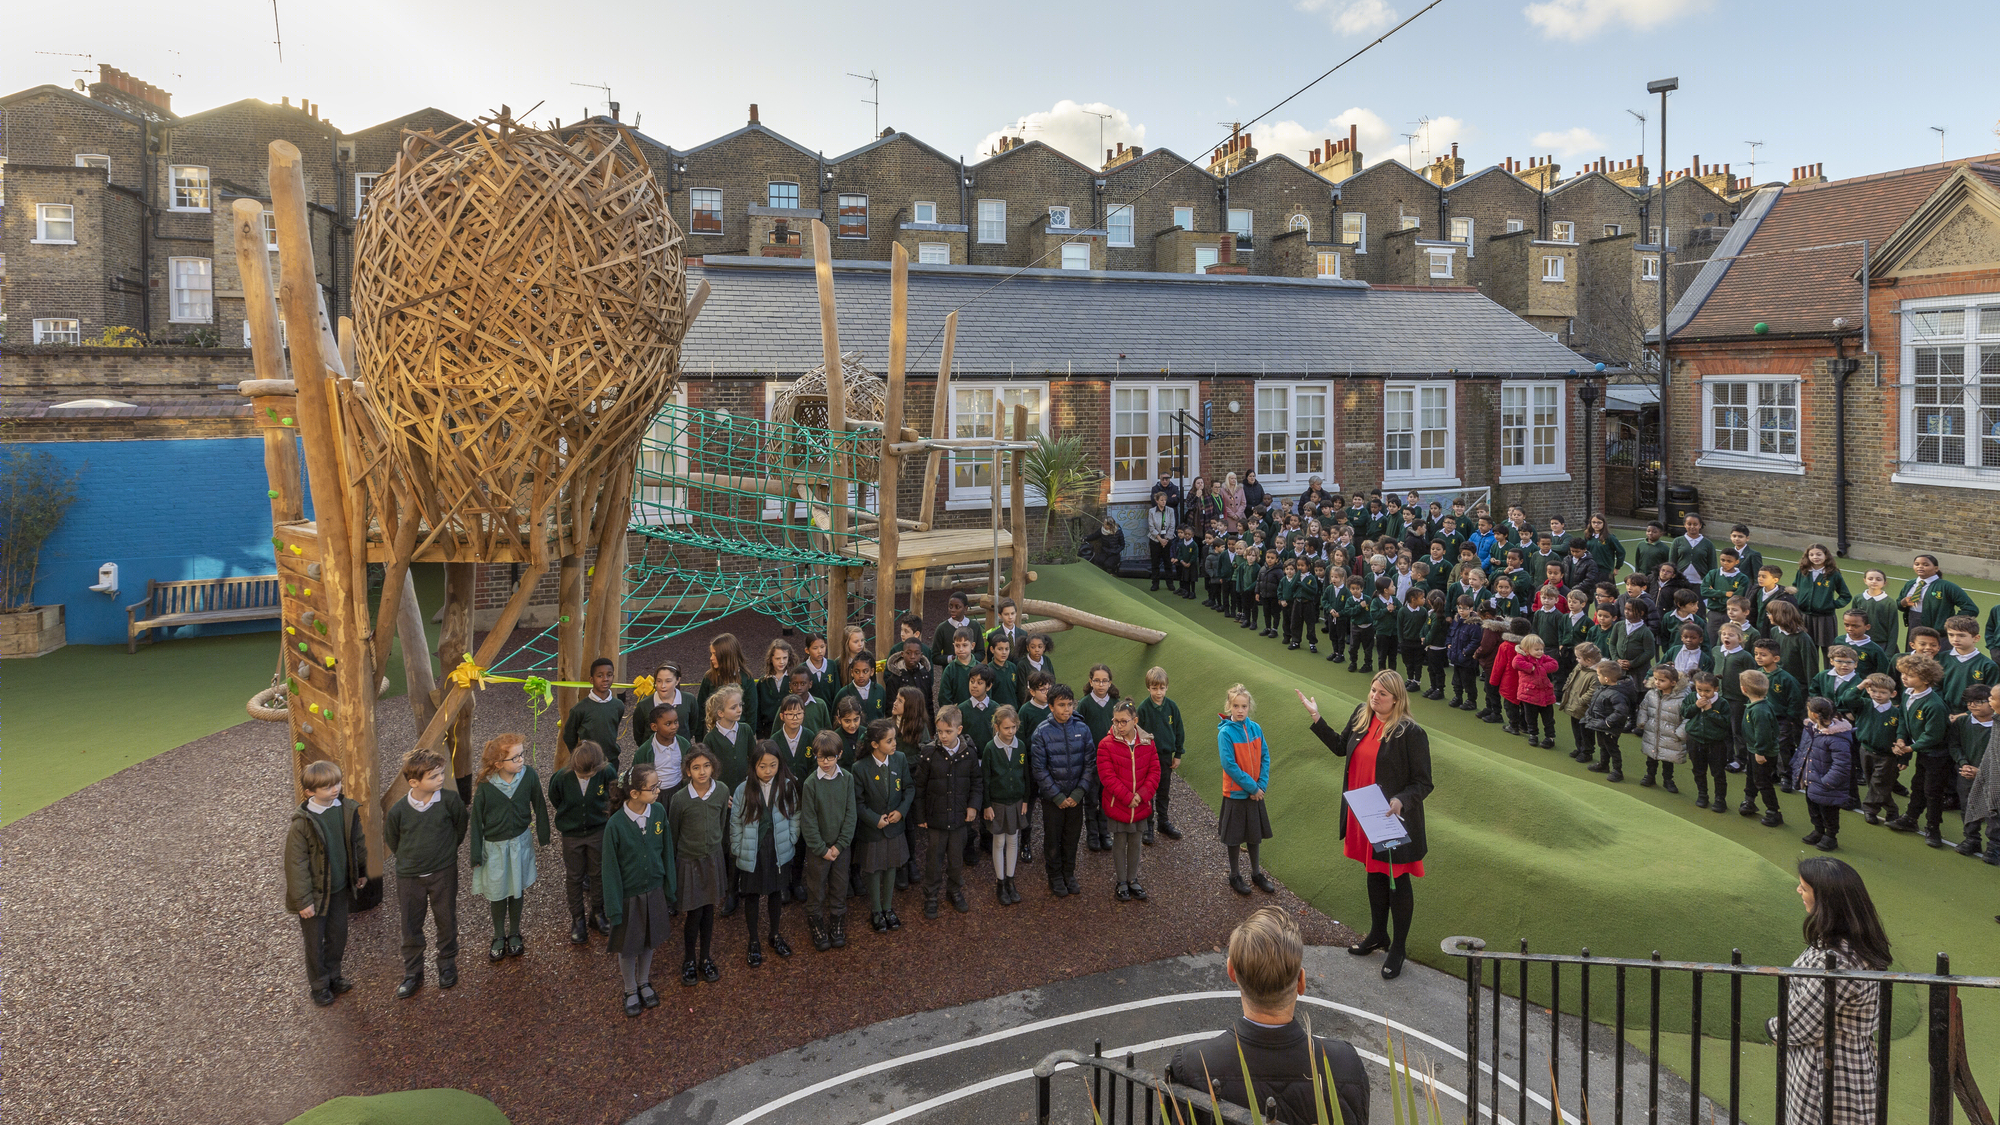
(152, 973)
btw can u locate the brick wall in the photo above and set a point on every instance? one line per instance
(894, 175)
(743, 167)
(1275, 191)
(1169, 182)
(1031, 178)
(57, 374)
(1489, 200)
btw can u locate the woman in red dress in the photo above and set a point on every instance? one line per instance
(1384, 747)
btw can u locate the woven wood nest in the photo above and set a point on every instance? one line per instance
(804, 400)
(519, 306)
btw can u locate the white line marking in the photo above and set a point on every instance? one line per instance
(1108, 1010)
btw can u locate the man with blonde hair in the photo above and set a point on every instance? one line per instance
(1266, 961)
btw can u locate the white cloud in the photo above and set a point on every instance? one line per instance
(1569, 142)
(1581, 19)
(1352, 17)
(1378, 139)
(1071, 128)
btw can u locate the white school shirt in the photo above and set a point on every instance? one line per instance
(411, 797)
(638, 818)
(667, 760)
(594, 698)
(313, 804)
(1687, 660)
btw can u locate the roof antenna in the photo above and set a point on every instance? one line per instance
(1642, 138)
(278, 35)
(1754, 146)
(607, 93)
(874, 98)
(1939, 130)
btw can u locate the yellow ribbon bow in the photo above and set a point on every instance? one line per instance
(642, 686)
(468, 675)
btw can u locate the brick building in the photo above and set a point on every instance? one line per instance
(1818, 406)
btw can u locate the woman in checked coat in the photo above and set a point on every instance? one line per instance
(1841, 922)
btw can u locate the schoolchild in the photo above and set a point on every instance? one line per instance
(1926, 729)
(1738, 614)
(1578, 688)
(1214, 570)
(1869, 657)
(1462, 653)
(1731, 661)
(1160, 717)
(1383, 610)
(1647, 557)
(1310, 604)
(1128, 774)
(326, 865)
(862, 688)
(774, 685)
(1493, 632)
(1095, 711)
(1727, 581)
(1797, 653)
(1747, 557)
(1970, 738)
(1360, 617)
(578, 807)
(1964, 665)
(1885, 617)
(1009, 628)
(725, 669)
(948, 777)
(1186, 553)
(639, 871)
(665, 750)
(1878, 727)
(1610, 715)
(729, 741)
(1841, 683)
(1690, 656)
(1658, 723)
(826, 675)
(1760, 732)
(666, 693)
(909, 626)
(1532, 668)
(1004, 766)
(1245, 820)
(951, 683)
(507, 805)
(827, 813)
(956, 618)
(423, 831)
(1686, 612)
(1787, 700)
(1249, 560)
(698, 820)
(1412, 622)
(1269, 579)
(1506, 677)
(1770, 590)
(763, 836)
(1063, 761)
(1437, 641)
(1035, 658)
(1821, 770)
(1693, 554)
(1706, 730)
(1288, 590)
(597, 716)
(883, 796)
(907, 667)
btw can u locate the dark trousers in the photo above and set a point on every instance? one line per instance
(583, 862)
(1413, 663)
(1163, 562)
(1739, 743)
(1465, 680)
(1336, 635)
(1492, 692)
(1186, 577)
(1545, 713)
(1881, 770)
(1361, 645)
(1928, 786)
(944, 859)
(826, 884)
(438, 892)
(1061, 828)
(1274, 613)
(1825, 818)
(1761, 780)
(325, 936)
(1583, 736)
(1511, 708)
(1386, 646)
(1246, 605)
(1607, 750)
(1298, 621)
(1788, 741)
(1214, 589)
(1709, 763)
(1094, 820)
(1434, 658)
(1166, 787)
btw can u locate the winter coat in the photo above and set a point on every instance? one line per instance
(1268, 580)
(1063, 759)
(1246, 758)
(743, 835)
(307, 868)
(1825, 763)
(1531, 679)
(1126, 770)
(897, 674)
(1612, 706)
(1462, 642)
(1505, 676)
(948, 785)
(1402, 770)
(1658, 722)
(1577, 690)
(1489, 642)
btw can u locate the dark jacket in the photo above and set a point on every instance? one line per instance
(1282, 1064)
(1105, 550)
(1268, 580)
(1582, 571)
(948, 785)
(1063, 758)
(897, 674)
(1402, 770)
(1825, 762)
(1463, 644)
(1613, 706)
(306, 866)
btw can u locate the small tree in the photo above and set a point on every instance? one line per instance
(35, 495)
(1060, 470)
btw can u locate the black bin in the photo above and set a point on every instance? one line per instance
(1682, 499)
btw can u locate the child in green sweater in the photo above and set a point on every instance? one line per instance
(423, 831)
(506, 800)
(826, 831)
(1878, 726)
(1760, 732)
(639, 877)
(597, 716)
(697, 819)
(576, 798)
(1161, 718)
(326, 863)
(1004, 768)
(1926, 727)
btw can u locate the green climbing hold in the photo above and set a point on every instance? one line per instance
(321, 626)
(271, 492)
(291, 685)
(302, 646)
(271, 410)
(1760, 328)
(287, 420)
(299, 746)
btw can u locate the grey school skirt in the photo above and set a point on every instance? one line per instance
(700, 880)
(644, 926)
(1243, 821)
(884, 855)
(1006, 818)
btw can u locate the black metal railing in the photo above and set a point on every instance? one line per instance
(1145, 1092)
(1947, 1060)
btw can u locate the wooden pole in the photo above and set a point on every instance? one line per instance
(281, 446)
(836, 421)
(461, 580)
(604, 612)
(940, 419)
(569, 640)
(891, 465)
(418, 678)
(1078, 617)
(299, 294)
(993, 474)
(1018, 509)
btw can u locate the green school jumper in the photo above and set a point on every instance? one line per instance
(1647, 557)
(733, 751)
(1885, 622)
(978, 721)
(1095, 715)
(595, 720)
(1960, 674)
(873, 706)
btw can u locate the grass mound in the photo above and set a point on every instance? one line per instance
(1516, 850)
(406, 1107)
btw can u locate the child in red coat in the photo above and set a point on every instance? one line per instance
(1505, 676)
(1129, 768)
(1532, 668)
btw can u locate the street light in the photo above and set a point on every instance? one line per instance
(1663, 87)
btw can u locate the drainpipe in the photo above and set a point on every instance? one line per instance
(965, 216)
(1840, 369)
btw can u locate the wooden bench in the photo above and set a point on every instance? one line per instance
(199, 601)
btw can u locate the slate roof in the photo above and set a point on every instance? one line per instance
(1799, 294)
(763, 315)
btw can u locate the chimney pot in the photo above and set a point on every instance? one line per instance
(285, 101)
(1352, 132)
(753, 113)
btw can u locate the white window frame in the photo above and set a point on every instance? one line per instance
(1655, 235)
(1354, 228)
(1300, 221)
(1184, 213)
(47, 332)
(662, 460)
(1142, 414)
(83, 160)
(1444, 256)
(284, 341)
(1409, 222)
(45, 213)
(1749, 459)
(940, 250)
(917, 211)
(698, 195)
(992, 228)
(1515, 226)
(1323, 256)
(271, 231)
(1977, 342)
(1649, 267)
(1075, 252)
(1541, 438)
(970, 414)
(1554, 268)
(840, 223)
(1466, 239)
(1213, 254)
(364, 186)
(1282, 440)
(203, 315)
(1243, 216)
(175, 188)
(1562, 230)
(1442, 472)
(1062, 217)
(1121, 218)
(1613, 230)
(771, 201)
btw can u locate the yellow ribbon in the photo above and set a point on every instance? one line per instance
(470, 675)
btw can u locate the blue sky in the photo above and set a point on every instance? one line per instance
(1853, 86)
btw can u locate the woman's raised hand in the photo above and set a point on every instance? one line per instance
(1312, 705)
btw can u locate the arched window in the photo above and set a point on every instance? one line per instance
(1304, 223)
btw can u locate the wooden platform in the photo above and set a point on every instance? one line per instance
(923, 550)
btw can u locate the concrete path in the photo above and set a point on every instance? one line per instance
(972, 1065)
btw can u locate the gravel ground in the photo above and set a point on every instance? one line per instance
(158, 978)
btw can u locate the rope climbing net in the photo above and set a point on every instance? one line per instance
(737, 514)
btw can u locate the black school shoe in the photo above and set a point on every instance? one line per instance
(1122, 893)
(632, 1006)
(647, 996)
(1772, 819)
(780, 946)
(600, 923)
(323, 997)
(894, 919)
(1262, 881)
(879, 922)
(1238, 884)
(709, 972)
(410, 987)
(447, 974)
(1057, 887)
(515, 946)
(690, 973)
(579, 930)
(341, 985)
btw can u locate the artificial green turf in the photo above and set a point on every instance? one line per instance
(406, 1107)
(1525, 844)
(166, 695)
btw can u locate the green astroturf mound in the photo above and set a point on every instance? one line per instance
(407, 1107)
(1516, 851)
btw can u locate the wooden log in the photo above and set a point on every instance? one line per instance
(890, 466)
(1017, 514)
(766, 486)
(604, 612)
(454, 641)
(299, 294)
(1087, 620)
(1047, 625)
(836, 420)
(258, 388)
(992, 620)
(281, 446)
(569, 640)
(940, 420)
(418, 678)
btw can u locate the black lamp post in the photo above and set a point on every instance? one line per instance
(1588, 395)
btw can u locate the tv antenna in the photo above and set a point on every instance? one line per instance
(1423, 125)
(1410, 149)
(608, 103)
(69, 55)
(1642, 140)
(1101, 119)
(1754, 146)
(874, 98)
(1939, 130)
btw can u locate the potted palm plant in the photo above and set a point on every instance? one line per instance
(1058, 470)
(35, 494)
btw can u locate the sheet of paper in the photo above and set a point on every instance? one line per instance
(1370, 809)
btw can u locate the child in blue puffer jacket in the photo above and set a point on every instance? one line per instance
(1821, 769)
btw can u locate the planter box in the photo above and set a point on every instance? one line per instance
(34, 631)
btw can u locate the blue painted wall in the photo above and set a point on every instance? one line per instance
(165, 510)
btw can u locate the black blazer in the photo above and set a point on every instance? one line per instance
(1281, 1066)
(1402, 769)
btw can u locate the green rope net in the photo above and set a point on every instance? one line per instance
(735, 512)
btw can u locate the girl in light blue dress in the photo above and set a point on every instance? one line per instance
(506, 798)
